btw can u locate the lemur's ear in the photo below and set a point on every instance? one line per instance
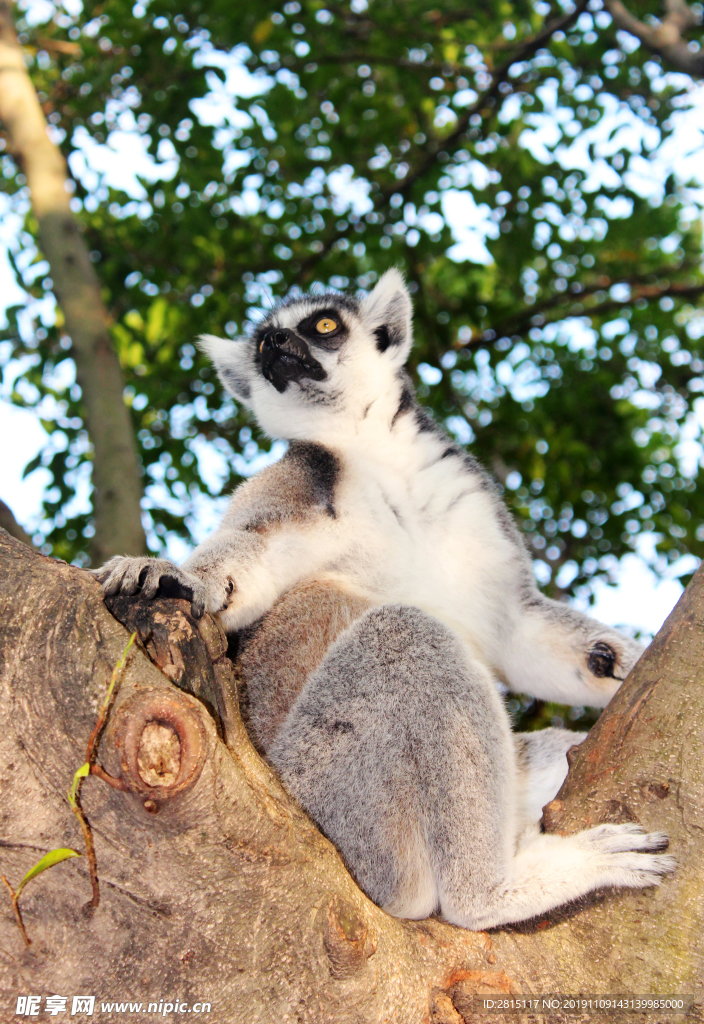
(387, 312)
(231, 361)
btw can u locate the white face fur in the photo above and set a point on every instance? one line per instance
(316, 366)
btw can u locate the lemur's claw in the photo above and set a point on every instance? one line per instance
(150, 577)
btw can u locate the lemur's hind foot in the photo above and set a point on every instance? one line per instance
(553, 870)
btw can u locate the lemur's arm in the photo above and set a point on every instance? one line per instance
(279, 527)
(554, 652)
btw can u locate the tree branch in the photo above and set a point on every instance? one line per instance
(486, 98)
(367, 58)
(116, 471)
(651, 292)
(665, 39)
(228, 890)
(526, 49)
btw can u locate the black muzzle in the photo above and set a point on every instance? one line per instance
(286, 357)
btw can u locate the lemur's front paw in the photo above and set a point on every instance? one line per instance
(149, 577)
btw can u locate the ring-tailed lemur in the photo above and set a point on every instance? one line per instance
(381, 587)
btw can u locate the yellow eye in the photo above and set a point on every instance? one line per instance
(325, 325)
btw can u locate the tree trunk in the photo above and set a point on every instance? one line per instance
(116, 472)
(216, 887)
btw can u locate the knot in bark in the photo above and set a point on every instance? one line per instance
(552, 815)
(159, 754)
(347, 939)
(161, 744)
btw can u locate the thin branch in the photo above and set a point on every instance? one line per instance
(105, 706)
(90, 852)
(514, 325)
(666, 38)
(439, 19)
(486, 98)
(62, 46)
(527, 49)
(365, 58)
(89, 768)
(649, 292)
(116, 783)
(16, 912)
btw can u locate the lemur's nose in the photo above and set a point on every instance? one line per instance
(276, 337)
(285, 357)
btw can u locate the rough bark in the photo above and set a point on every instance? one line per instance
(116, 471)
(228, 893)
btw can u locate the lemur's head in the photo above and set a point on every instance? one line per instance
(318, 363)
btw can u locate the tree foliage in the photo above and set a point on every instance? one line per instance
(315, 145)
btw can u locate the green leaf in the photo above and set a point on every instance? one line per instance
(156, 318)
(32, 465)
(48, 861)
(80, 774)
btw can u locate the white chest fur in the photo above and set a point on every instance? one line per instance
(422, 529)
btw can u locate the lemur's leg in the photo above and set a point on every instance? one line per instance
(553, 870)
(365, 751)
(277, 654)
(557, 653)
(541, 761)
(399, 747)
